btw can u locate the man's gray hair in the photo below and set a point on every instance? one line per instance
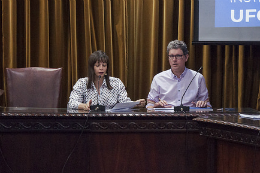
(176, 44)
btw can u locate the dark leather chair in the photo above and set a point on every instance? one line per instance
(1, 92)
(33, 87)
(1, 99)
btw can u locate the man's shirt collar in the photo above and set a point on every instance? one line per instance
(181, 76)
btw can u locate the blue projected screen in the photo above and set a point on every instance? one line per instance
(227, 21)
(237, 13)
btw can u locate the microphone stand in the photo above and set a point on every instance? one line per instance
(97, 107)
(182, 108)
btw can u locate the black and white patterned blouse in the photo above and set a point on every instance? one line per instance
(108, 98)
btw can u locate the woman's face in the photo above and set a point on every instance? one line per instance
(100, 68)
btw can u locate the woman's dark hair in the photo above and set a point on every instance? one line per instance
(97, 56)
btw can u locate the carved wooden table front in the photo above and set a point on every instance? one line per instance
(233, 142)
(61, 140)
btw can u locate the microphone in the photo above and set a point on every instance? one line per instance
(182, 108)
(98, 107)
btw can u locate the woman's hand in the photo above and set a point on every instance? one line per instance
(141, 104)
(85, 106)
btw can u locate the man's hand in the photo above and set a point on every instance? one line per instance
(201, 104)
(160, 104)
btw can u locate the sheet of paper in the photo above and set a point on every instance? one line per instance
(250, 116)
(200, 109)
(127, 105)
(164, 109)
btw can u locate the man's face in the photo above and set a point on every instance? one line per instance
(177, 60)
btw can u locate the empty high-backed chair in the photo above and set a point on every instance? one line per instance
(33, 87)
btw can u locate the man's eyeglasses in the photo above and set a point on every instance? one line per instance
(176, 56)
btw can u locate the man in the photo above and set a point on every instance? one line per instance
(168, 87)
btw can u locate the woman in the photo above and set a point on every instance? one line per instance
(99, 86)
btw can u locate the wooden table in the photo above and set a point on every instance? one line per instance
(233, 142)
(60, 140)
